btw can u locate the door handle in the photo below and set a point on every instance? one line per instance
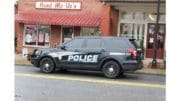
(103, 50)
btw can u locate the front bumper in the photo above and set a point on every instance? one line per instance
(33, 59)
(35, 62)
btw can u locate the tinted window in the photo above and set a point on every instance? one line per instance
(119, 43)
(75, 43)
(94, 43)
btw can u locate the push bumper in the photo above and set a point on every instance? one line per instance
(33, 59)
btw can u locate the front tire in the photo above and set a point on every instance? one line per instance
(111, 69)
(47, 65)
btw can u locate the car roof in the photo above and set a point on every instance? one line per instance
(102, 37)
(125, 41)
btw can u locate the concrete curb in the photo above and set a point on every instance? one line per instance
(151, 72)
(22, 62)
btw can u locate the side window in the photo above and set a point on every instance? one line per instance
(94, 43)
(119, 43)
(75, 43)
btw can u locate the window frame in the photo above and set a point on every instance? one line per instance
(37, 29)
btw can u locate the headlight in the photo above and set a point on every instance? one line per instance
(37, 52)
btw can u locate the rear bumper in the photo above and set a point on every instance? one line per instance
(132, 65)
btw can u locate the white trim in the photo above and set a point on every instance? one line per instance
(133, 21)
(58, 5)
(118, 53)
(60, 54)
(118, 34)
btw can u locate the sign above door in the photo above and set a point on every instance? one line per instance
(59, 5)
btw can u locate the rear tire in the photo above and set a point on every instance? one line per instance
(47, 65)
(111, 69)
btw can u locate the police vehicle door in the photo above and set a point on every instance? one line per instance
(91, 53)
(82, 53)
(69, 57)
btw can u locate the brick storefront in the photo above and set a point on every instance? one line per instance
(92, 14)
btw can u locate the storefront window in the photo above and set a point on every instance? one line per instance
(133, 15)
(127, 15)
(126, 29)
(68, 33)
(36, 35)
(160, 36)
(131, 30)
(90, 31)
(132, 25)
(138, 32)
(139, 15)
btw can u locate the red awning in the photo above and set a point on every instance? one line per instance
(55, 19)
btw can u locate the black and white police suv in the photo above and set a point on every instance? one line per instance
(111, 55)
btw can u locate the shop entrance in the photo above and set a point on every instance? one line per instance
(67, 33)
(160, 40)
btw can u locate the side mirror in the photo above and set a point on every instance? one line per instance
(63, 47)
(55, 45)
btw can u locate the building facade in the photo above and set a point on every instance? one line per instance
(137, 19)
(44, 23)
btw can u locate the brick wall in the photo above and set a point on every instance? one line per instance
(77, 31)
(55, 35)
(114, 21)
(15, 24)
(105, 24)
(89, 7)
(109, 22)
(19, 34)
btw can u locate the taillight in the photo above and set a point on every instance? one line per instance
(133, 52)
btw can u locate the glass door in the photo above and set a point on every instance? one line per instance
(68, 33)
(160, 40)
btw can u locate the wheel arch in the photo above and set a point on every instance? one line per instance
(49, 58)
(110, 59)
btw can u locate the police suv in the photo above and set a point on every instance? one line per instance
(111, 55)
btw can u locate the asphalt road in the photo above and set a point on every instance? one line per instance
(32, 85)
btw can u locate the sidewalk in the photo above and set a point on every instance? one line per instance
(19, 60)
